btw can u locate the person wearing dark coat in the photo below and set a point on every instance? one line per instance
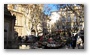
(73, 41)
(26, 39)
(19, 39)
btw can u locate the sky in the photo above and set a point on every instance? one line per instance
(49, 8)
(52, 7)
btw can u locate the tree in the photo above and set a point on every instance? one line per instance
(34, 13)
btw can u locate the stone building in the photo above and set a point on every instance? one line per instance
(21, 19)
(9, 21)
(68, 19)
(28, 18)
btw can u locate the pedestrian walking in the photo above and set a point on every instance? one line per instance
(73, 41)
(79, 42)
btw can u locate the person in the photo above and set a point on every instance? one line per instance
(19, 39)
(79, 42)
(50, 40)
(68, 41)
(73, 41)
(26, 39)
(41, 38)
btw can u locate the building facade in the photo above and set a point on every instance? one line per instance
(72, 20)
(9, 32)
(28, 18)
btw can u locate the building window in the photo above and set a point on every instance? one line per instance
(15, 7)
(16, 23)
